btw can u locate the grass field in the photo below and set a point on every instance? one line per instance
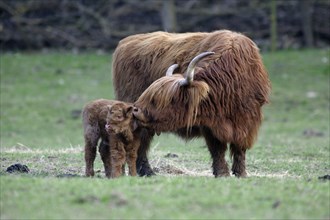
(43, 93)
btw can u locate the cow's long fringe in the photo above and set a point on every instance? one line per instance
(171, 90)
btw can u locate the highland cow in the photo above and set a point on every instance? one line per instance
(113, 123)
(218, 98)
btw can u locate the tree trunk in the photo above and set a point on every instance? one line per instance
(273, 26)
(168, 14)
(306, 21)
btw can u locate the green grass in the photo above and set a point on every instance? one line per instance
(163, 197)
(38, 127)
(40, 91)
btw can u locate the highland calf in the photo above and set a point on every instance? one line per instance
(219, 96)
(113, 123)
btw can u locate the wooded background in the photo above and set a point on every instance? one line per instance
(100, 24)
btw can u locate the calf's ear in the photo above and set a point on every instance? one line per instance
(129, 110)
(109, 107)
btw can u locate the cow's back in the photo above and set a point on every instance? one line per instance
(141, 59)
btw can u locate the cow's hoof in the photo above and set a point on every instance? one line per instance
(220, 175)
(146, 171)
(240, 175)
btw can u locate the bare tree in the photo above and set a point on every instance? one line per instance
(35, 24)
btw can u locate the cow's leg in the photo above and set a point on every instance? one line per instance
(217, 150)
(142, 163)
(238, 156)
(105, 156)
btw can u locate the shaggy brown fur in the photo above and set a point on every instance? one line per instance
(112, 122)
(124, 140)
(222, 104)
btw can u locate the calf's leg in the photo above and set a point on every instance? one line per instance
(118, 159)
(131, 156)
(105, 156)
(90, 152)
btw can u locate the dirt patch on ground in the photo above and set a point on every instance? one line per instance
(69, 163)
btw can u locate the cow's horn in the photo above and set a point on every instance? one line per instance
(191, 67)
(170, 70)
